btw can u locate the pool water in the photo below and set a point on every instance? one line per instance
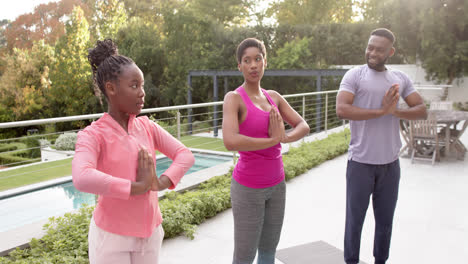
(57, 200)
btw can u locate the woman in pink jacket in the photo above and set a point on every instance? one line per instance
(115, 159)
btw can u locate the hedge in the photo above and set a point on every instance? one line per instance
(21, 153)
(8, 159)
(11, 146)
(66, 237)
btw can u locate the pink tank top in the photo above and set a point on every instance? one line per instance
(259, 168)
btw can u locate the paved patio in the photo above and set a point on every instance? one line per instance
(430, 225)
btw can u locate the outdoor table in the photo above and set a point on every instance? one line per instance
(446, 118)
(450, 118)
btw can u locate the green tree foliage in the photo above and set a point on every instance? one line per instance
(294, 55)
(195, 39)
(142, 42)
(149, 10)
(310, 12)
(223, 12)
(3, 25)
(109, 17)
(26, 82)
(3, 44)
(444, 39)
(71, 92)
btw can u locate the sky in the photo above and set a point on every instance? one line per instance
(11, 9)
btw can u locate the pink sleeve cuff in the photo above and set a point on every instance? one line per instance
(120, 188)
(179, 167)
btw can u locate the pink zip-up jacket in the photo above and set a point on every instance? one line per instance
(106, 162)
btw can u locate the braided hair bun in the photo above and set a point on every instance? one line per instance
(102, 51)
(106, 62)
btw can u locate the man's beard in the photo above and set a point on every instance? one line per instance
(378, 66)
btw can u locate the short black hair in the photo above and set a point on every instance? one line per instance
(106, 63)
(383, 32)
(247, 43)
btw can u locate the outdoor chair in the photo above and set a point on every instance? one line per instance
(424, 140)
(405, 134)
(455, 142)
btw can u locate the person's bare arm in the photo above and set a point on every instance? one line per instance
(346, 110)
(232, 139)
(290, 116)
(417, 108)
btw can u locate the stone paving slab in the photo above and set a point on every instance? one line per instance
(318, 252)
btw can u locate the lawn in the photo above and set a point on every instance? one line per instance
(56, 169)
(34, 173)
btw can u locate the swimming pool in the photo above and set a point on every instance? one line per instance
(56, 200)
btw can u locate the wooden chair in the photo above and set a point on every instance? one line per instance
(405, 134)
(424, 139)
(455, 142)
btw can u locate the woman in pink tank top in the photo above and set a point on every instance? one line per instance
(253, 125)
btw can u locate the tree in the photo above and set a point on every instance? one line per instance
(294, 55)
(109, 16)
(26, 81)
(45, 23)
(150, 10)
(142, 42)
(444, 39)
(224, 12)
(72, 92)
(196, 37)
(3, 25)
(310, 12)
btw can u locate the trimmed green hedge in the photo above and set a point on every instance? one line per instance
(66, 237)
(6, 159)
(23, 152)
(11, 146)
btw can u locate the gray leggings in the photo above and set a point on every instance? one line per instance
(258, 219)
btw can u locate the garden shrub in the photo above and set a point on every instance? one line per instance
(12, 160)
(66, 141)
(65, 241)
(11, 146)
(44, 143)
(34, 147)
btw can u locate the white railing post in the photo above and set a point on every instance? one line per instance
(178, 124)
(303, 107)
(326, 113)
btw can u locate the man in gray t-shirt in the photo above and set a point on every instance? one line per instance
(368, 97)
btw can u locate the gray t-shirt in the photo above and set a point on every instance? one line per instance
(374, 141)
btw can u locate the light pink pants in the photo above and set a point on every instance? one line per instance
(105, 247)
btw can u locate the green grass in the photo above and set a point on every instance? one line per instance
(203, 143)
(56, 169)
(34, 173)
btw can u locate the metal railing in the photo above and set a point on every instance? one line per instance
(317, 108)
(182, 121)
